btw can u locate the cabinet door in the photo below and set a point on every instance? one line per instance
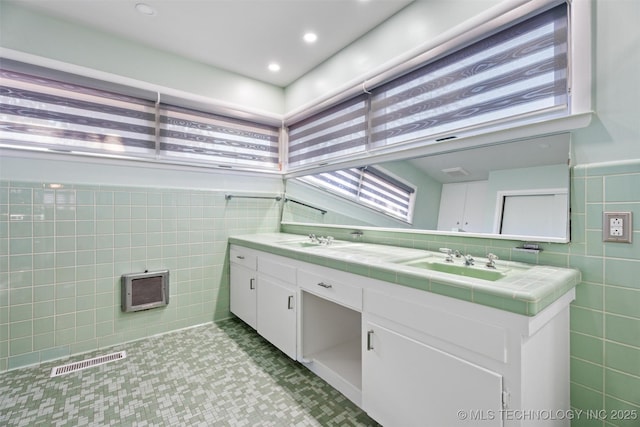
(243, 293)
(474, 219)
(452, 203)
(277, 314)
(407, 383)
(462, 207)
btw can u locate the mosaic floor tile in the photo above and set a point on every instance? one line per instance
(214, 375)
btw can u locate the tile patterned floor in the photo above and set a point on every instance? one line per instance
(212, 375)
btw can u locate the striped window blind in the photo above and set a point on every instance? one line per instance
(370, 186)
(61, 114)
(514, 73)
(194, 135)
(42, 112)
(335, 132)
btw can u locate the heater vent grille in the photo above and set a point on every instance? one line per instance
(89, 363)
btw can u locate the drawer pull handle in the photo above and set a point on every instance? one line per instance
(369, 345)
(252, 283)
(290, 302)
(325, 285)
(240, 256)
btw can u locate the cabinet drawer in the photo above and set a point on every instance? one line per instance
(435, 321)
(242, 256)
(276, 269)
(335, 290)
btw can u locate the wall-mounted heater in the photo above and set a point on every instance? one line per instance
(142, 291)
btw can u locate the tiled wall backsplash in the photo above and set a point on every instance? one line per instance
(63, 250)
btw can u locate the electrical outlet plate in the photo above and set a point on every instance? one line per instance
(617, 227)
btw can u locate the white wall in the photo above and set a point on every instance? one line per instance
(52, 168)
(30, 32)
(615, 131)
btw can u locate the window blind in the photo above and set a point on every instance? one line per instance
(43, 112)
(334, 132)
(517, 74)
(70, 113)
(369, 186)
(194, 135)
(386, 193)
(519, 71)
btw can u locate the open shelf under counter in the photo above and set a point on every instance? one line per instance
(331, 344)
(340, 366)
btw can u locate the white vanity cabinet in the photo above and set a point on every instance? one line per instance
(406, 356)
(277, 303)
(243, 264)
(407, 382)
(455, 363)
(264, 295)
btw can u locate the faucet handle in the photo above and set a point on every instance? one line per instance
(449, 253)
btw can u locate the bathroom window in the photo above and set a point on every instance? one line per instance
(516, 75)
(61, 116)
(49, 110)
(369, 186)
(198, 136)
(335, 132)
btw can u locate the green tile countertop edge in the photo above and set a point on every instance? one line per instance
(544, 284)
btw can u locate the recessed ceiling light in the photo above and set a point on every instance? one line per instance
(310, 37)
(145, 9)
(274, 67)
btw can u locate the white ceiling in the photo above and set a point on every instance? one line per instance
(242, 36)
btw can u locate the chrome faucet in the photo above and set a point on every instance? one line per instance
(468, 260)
(492, 260)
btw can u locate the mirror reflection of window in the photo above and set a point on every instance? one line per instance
(372, 187)
(485, 173)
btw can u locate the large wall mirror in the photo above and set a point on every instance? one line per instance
(517, 190)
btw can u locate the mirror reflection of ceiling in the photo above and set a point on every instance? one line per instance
(478, 162)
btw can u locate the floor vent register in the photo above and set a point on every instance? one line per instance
(89, 363)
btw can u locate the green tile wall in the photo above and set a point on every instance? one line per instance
(62, 252)
(605, 317)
